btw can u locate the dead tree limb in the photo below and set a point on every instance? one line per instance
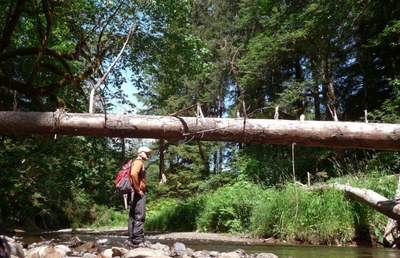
(390, 208)
(91, 98)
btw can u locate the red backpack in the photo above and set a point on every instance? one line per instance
(123, 182)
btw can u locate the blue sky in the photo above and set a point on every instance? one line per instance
(129, 89)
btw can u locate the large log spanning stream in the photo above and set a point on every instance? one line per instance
(307, 133)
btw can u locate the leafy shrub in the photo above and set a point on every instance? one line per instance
(106, 217)
(76, 208)
(172, 214)
(262, 164)
(296, 214)
(229, 208)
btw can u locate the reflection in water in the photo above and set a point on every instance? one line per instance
(282, 251)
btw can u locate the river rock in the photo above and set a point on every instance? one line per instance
(74, 242)
(179, 247)
(89, 255)
(118, 251)
(214, 254)
(16, 249)
(159, 246)
(108, 253)
(75, 248)
(201, 254)
(145, 252)
(103, 241)
(43, 252)
(63, 249)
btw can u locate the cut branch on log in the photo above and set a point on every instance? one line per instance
(268, 131)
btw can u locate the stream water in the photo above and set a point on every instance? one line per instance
(289, 251)
(282, 251)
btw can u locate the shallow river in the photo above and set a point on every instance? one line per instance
(287, 251)
(282, 251)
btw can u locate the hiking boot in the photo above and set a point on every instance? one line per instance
(130, 244)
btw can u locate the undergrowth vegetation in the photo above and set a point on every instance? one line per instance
(292, 212)
(286, 211)
(106, 217)
(174, 215)
(229, 208)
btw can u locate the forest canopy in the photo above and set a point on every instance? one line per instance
(326, 60)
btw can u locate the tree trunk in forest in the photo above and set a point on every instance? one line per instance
(220, 158)
(215, 163)
(268, 131)
(329, 87)
(123, 141)
(162, 177)
(300, 104)
(205, 164)
(317, 102)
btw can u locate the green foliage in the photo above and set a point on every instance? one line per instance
(229, 208)
(293, 213)
(78, 208)
(188, 172)
(305, 57)
(272, 165)
(390, 112)
(380, 181)
(263, 164)
(106, 217)
(325, 217)
(226, 210)
(41, 43)
(289, 213)
(386, 162)
(51, 183)
(173, 215)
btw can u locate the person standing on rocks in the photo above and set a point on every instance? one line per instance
(137, 212)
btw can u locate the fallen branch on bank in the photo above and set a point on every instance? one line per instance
(390, 208)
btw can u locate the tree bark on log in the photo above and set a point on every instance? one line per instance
(390, 208)
(268, 131)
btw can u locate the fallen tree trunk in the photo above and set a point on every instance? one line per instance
(380, 203)
(306, 133)
(390, 208)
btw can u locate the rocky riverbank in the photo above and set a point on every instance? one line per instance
(75, 247)
(121, 231)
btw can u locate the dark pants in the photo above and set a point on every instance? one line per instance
(137, 216)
